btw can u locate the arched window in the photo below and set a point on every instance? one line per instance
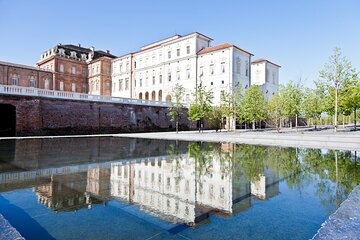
(147, 96)
(153, 95)
(46, 85)
(168, 98)
(14, 80)
(140, 95)
(32, 82)
(160, 95)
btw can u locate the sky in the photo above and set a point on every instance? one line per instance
(298, 35)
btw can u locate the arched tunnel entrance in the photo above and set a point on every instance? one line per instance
(7, 120)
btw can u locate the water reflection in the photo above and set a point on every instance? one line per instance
(181, 182)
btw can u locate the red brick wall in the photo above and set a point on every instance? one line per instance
(35, 116)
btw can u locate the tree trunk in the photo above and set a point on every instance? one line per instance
(336, 110)
(355, 119)
(343, 120)
(253, 126)
(296, 122)
(177, 125)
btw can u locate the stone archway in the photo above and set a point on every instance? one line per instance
(140, 95)
(153, 96)
(7, 120)
(168, 98)
(160, 95)
(147, 96)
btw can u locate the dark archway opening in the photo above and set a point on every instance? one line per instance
(7, 120)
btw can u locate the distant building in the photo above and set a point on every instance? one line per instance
(78, 69)
(25, 76)
(265, 74)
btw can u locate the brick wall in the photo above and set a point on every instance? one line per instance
(35, 116)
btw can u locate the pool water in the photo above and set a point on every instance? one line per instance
(127, 188)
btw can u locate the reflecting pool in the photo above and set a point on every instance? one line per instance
(127, 188)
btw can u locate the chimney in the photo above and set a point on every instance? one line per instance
(107, 51)
(79, 44)
(92, 48)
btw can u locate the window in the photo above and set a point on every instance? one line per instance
(247, 69)
(188, 73)
(222, 81)
(120, 84)
(61, 68)
(211, 69)
(178, 74)
(73, 87)
(140, 82)
(160, 78)
(61, 86)
(108, 86)
(126, 83)
(211, 83)
(201, 71)
(187, 49)
(134, 82)
(153, 59)
(153, 79)
(121, 67)
(73, 70)
(169, 54)
(178, 52)
(46, 84)
(238, 65)
(222, 67)
(14, 80)
(127, 66)
(32, 82)
(169, 76)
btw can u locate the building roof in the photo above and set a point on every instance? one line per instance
(260, 60)
(219, 47)
(23, 66)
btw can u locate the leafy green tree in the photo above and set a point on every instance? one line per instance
(254, 105)
(176, 110)
(201, 106)
(231, 106)
(215, 118)
(350, 97)
(334, 74)
(311, 105)
(275, 110)
(292, 95)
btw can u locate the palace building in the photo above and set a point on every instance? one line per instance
(78, 69)
(152, 72)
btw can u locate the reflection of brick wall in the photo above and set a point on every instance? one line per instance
(36, 116)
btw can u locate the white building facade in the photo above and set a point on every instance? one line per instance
(152, 72)
(265, 74)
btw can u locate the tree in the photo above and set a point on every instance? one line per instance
(350, 96)
(215, 118)
(254, 105)
(311, 105)
(231, 106)
(292, 96)
(275, 110)
(201, 107)
(177, 107)
(334, 74)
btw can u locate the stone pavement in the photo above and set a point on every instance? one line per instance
(345, 222)
(8, 232)
(323, 140)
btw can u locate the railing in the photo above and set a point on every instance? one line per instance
(37, 92)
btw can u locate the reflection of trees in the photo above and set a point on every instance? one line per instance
(337, 172)
(203, 159)
(174, 155)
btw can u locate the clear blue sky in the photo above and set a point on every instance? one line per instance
(298, 35)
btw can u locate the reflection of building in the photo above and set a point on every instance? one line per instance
(267, 185)
(69, 192)
(182, 190)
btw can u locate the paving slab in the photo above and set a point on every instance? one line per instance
(8, 232)
(345, 222)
